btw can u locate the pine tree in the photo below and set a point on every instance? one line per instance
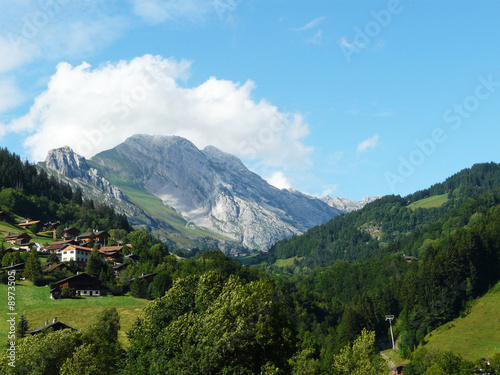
(94, 264)
(33, 269)
(23, 326)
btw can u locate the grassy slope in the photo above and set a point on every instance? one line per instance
(474, 336)
(35, 304)
(5, 228)
(431, 202)
(153, 206)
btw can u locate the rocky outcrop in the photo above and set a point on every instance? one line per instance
(66, 162)
(347, 205)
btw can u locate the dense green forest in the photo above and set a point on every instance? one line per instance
(324, 314)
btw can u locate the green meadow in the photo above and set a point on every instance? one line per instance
(431, 202)
(474, 336)
(36, 305)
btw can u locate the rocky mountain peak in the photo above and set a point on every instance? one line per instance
(65, 161)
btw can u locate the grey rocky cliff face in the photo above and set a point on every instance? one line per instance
(347, 205)
(69, 164)
(66, 162)
(214, 190)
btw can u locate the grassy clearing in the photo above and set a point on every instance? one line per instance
(431, 202)
(288, 262)
(37, 307)
(474, 336)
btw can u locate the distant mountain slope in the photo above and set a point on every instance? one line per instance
(387, 220)
(347, 205)
(176, 190)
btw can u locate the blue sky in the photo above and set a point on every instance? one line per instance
(346, 98)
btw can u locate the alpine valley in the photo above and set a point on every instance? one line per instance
(193, 198)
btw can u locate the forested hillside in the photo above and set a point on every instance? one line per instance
(388, 220)
(28, 191)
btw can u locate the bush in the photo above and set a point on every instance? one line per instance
(44, 280)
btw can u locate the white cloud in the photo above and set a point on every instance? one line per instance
(330, 189)
(310, 24)
(279, 180)
(368, 144)
(92, 110)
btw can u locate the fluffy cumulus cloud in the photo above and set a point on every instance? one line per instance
(94, 109)
(368, 144)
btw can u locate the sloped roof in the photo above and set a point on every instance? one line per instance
(55, 325)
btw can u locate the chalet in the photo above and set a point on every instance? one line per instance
(81, 284)
(50, 225)
(55, 248)
(133, 257)
(17, 238)
(15, 267)
(112, 248)
(55, 326)
(98, 236)
(113, 253)
(70, 233)
(28, 223)
(55, 266)
(79, 254)
(118, 267)
(397, 370)
(27, 246)
(149, 277)
(409, 258)
(240, 254)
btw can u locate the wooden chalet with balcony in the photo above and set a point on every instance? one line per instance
(81, 284)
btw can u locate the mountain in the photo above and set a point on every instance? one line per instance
(347, 205)
(169, 186)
